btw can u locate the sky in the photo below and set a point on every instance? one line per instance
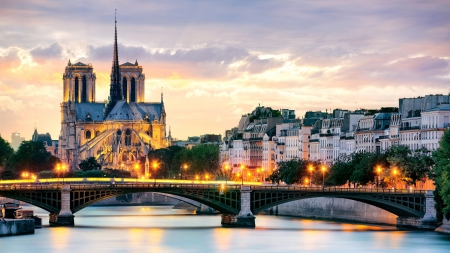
(217, 60)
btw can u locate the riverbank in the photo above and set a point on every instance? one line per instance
(10, 227)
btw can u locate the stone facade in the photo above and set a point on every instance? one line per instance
(117, 133)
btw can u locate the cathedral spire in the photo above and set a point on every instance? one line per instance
(115, 91)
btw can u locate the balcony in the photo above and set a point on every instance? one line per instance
(410, 128)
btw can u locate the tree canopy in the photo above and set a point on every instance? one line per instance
(441, 176)
(5, 151)
(89, 164)
(31, 157)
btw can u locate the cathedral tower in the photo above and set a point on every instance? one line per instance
(79, 83)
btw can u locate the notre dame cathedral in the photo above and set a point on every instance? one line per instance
(118, 132)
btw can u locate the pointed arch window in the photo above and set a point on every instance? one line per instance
(124, 88)
(88, 135)
(84, 89)
(133, 90)
(128, 137)
(76, 89)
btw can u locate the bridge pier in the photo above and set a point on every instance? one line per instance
(245, 217)
(65, 218)
(427, 222)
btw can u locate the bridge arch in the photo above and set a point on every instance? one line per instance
(400, 205)
(227, 203)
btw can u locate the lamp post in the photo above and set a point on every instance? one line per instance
(395, 178)
(310, 175)
(63, 169)
(121, 166)
(185, 170)
(58, 168)
(323, 176)
(155, 166)
(227, 167)
(136, 168)
(242, 173)
(378, 176)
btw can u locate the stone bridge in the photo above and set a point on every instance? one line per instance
(237, 203)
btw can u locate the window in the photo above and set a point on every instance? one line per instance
(124, 88)
(84, 90)
(88, 135)
(133, 90)
(76, 89)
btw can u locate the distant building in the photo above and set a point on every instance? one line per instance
(211, 138)
(16, 140)
(50, 145)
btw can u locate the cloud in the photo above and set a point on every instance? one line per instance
(9, 104)
(43, 54)
(198, 93)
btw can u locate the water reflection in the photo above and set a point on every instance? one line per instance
(162, 229)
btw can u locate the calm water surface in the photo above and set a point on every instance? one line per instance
(162, 229)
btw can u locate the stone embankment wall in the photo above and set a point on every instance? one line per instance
(335, 208)
(16, 227)
(145, 198)
(445, 227)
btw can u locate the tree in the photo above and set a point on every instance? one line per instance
(89, 164)
(340, 172)
(441, 175)
(5, 151)
(31, 157)
(290, 172)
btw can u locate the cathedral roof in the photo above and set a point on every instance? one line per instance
(94, 110)
(135, 111)
(127, 64)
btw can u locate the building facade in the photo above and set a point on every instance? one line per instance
(117, 133)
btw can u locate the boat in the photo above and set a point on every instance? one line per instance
(8, 210)
(28, 214)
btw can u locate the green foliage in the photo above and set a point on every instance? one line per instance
(290, 172)
(32, 157)
(441, 176)
(200, 160)
(5, 151)
(360, 168)
(89, 164)
(47, 174)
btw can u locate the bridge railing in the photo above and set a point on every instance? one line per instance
(338, 190)
(151, 186)
(19, 187)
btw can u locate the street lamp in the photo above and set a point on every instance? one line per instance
(121, 166)
(378, 174)
(155, 166)
(206, 177)
(136, 167)
(58, 169)
(323, 176)
(63, 168)
(310, 175)
(395, 178)
(185, 170)
(242, 173)
(306, 181)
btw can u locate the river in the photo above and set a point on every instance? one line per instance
(163, 229)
